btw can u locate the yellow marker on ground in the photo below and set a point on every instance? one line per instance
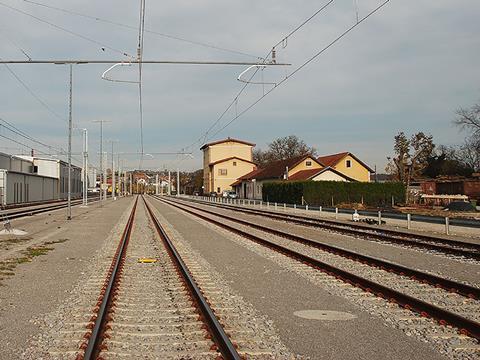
(147, 260)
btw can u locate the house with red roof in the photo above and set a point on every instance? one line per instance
(348, 164)
(336, 167)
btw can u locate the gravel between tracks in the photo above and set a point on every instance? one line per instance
(445, 265)
(62, 330)
(254, 334)
(443, 339)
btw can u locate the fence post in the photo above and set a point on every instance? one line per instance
(320, 209)
(268, 204)
(336, 213)
(285, 206)
(306, 207)
(409, 221)
(294, 207)
(379, 217)
(275, 206)
(447, 225)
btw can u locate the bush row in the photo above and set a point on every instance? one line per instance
(330, 193)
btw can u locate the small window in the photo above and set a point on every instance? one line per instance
(222, 172)
(308, 163)
(218, 190)
(234, 163)
(349, 163)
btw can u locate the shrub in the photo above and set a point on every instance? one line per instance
(321, 193)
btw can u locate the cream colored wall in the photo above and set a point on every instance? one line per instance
(228, 149)
(328, 176)
(233, 173)
(223, 151)
(303, 166)
(357, 171)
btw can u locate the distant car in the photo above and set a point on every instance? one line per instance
(213, 194)
(230, 194)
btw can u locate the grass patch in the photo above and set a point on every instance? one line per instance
(7, 267)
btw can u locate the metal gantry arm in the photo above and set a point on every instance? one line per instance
(105, 77)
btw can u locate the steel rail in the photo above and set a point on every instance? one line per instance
(465, 326)
(449, 285)
(220, 338)
(453, 247)
(92, 348)
(29, 212)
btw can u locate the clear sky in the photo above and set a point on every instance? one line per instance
(406, 68)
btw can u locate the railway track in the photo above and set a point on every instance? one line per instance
(16, 213)
(152, 307)
(436, 244)
(448, 302)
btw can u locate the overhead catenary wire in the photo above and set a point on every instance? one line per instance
(32, 93)
(16, 45)
(61, 28)
(204, 136)
(361, 20)
(23, 134)
(168, 36)
(16, 131)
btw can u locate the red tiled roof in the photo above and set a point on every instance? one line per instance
(230, 158)
(304, 174)
(311, 173)
(226, 140)
(277, 169)
(247, 176)
(332, 160)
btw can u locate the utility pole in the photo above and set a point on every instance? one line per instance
(169, 183)
(119, 176)
(113, 172)
(85, 166)
(131, 184)
(102, 175)
(70, 125)
(156, 184)
(178, 182)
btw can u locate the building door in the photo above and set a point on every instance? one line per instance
(244, 190)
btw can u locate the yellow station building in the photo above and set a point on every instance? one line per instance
(224, 162)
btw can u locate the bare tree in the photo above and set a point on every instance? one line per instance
(469, 153)
(397, 165)
(282, 149)
(411, 157)
(469, 119)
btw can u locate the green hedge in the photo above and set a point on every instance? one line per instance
(320, 193)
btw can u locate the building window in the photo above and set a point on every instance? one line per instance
(349, 163)
(234, 163)
(308, 163)
(218, 190)
(222, 172)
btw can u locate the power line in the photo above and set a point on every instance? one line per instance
(35, 96)
(23, 134)
(235, 99)
(141, 32)
(361, 20)
(17, 131)
(103, 46)
(168, 36)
